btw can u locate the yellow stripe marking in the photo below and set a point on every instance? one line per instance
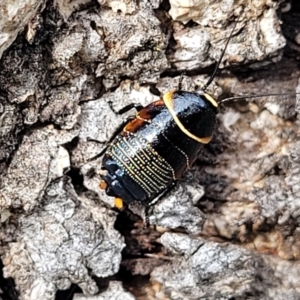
(140, 145)
(163, 161)
(130, 171)
(136, 155)
(211, 100)
(168, 98)
(154, 184)
(176, 147)
(154, 153)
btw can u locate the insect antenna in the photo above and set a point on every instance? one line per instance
(219, 61)
(244, 97)
(241, 97)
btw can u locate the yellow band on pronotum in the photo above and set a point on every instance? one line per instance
(211, 100)
(168, 102)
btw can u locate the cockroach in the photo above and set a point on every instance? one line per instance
(153, 150)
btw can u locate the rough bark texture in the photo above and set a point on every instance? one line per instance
(229, 230)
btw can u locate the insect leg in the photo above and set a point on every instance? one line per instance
(116, 132)
(126, 108)
(180, 81)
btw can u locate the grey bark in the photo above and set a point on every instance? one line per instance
(234, 216)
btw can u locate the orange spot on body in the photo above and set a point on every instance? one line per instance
(134, 125)
(119, 203)
(146, 113)
(102, 185)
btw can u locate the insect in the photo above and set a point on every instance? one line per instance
(158, 145)
(154, 149)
